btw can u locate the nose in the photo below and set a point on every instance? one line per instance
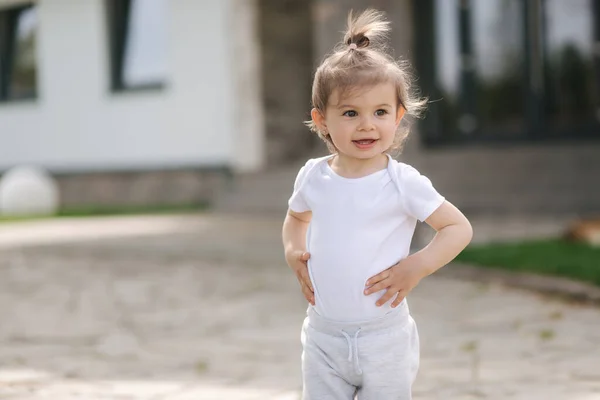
(365, 123)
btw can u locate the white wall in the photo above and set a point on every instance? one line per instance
(77, 124)
(250, 140)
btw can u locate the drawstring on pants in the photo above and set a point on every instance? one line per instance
(355, 352)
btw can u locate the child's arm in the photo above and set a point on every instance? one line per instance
(454, 232)
(293, 234)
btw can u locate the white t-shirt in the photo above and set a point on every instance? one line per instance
(359, 228)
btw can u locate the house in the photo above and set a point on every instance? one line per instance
(164, 99)
(125, 101)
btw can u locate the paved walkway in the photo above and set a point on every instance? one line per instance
(202, 307)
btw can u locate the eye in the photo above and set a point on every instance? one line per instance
(350, 113)
(381, 112)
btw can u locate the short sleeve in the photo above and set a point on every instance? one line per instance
(419, 197)
(297, 202)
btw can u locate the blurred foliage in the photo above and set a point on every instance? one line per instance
(569, 84)
(569, 94)
(98, 211)
(557, 257)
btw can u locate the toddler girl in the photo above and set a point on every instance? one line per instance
(350, 222)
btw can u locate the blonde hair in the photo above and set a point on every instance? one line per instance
(363, 59)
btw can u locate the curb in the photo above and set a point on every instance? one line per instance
(564, 288)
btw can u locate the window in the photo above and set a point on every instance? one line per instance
(18, 53)
(509, 69)
(137, 36)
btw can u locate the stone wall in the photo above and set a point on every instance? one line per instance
(286, 32)
(181, 187)
(534, 179)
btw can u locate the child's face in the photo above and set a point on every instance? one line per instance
(363, 123)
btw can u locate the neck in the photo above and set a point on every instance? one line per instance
(356, 167)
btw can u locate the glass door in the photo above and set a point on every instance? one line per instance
(509, 69)
(571, 103)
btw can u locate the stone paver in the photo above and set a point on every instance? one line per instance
(203, 307)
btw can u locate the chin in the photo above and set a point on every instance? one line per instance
(370, 153)
(366, 155)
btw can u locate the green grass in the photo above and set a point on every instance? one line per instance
(97, 211)
(549, 257)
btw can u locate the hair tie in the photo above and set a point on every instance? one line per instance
(353, 46)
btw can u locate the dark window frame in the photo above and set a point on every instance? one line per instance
(433, 134)
(9, 22)
(118, 13)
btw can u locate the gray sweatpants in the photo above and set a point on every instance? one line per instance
(373, 360)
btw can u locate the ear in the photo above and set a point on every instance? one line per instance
(318, 119)
(400, 115)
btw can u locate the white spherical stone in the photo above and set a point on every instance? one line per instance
(26, 190)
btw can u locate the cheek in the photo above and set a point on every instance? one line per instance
(389, 125)
(342, 127)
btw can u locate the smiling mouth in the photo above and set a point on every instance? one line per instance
(365, 144)
(365, 141)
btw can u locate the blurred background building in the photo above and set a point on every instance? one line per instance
(130, 101)
(185, 101)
